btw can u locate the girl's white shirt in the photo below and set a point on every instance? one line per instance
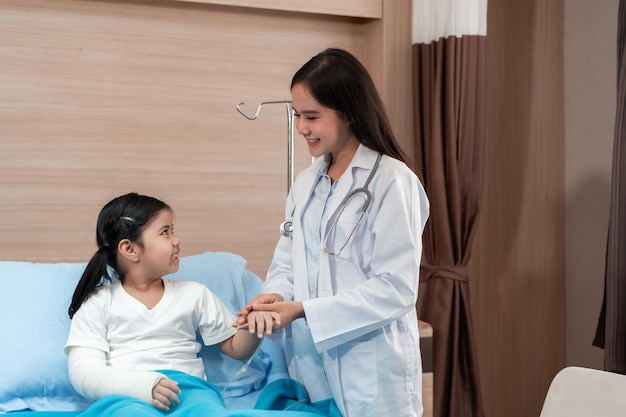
(162, 338)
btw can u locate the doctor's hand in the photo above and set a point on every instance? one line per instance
(258, 299)
(285, 311)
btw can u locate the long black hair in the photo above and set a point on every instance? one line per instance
(124, 217)
(339, 81)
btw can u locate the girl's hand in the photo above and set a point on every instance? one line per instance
(262, 322)
(165, 393)
(282, 313)
(242, 321)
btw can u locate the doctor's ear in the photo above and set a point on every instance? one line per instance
(128, 250)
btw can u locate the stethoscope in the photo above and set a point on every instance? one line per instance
(286, 227)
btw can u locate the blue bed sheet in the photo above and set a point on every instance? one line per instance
(284, 397)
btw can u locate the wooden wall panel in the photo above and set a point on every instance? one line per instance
(100, 98)
(362, 8)
(388, 57)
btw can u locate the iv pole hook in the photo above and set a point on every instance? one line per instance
(289, 132)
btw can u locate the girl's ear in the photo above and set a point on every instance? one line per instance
(128, 250)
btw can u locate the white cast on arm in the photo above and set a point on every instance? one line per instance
(91, 377)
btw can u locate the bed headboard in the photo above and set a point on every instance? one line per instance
(101, 98)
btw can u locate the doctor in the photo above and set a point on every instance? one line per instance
(343, 283)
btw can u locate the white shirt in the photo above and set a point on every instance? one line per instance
(162, 338)
(312, 220)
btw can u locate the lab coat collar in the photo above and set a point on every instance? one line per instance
(364, 157)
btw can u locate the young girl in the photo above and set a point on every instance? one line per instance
(125, 330)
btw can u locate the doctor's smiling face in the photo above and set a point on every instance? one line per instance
(325, 130)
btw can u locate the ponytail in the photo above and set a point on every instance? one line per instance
(95, 272)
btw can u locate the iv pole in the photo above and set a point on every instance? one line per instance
(289, 132)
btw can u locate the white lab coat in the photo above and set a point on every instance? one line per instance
(359, 339)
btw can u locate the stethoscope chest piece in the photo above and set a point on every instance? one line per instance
(286, 228)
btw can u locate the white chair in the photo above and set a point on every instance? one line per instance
(576, 391)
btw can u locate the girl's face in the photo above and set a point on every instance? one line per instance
(159, 247)
(325, 130)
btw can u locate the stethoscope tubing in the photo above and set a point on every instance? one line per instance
(286, 227)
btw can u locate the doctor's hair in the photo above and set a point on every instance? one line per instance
(339, 81)
(124, 217)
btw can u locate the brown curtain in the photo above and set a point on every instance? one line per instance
(449, 102)
(611, 330)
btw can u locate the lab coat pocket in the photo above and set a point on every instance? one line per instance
(358, 371)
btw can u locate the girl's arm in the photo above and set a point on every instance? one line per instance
(91, 377)
(243, 343)
(240, 346)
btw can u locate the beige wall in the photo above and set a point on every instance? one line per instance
(590, 85)
(100, 98)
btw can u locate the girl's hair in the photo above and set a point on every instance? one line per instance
(124, 217)
(340, 82)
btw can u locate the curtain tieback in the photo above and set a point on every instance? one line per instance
(454, 272)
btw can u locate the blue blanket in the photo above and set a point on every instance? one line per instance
(200, 398)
